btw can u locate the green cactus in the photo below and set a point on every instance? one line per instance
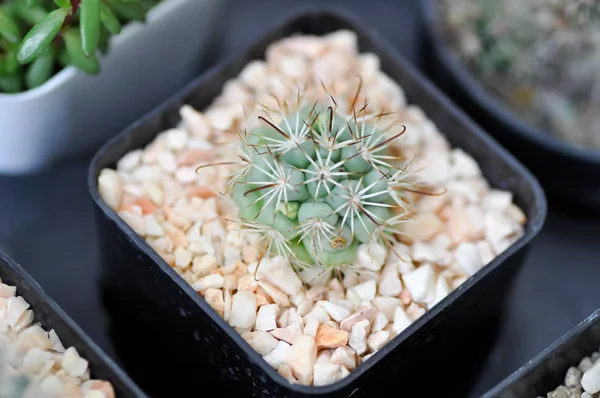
(319, 183)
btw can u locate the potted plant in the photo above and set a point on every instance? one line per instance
(283, 224)
(60, 60)
(527, 72)
(567, 368)
(43, 353)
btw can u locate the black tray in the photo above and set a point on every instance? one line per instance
(451, 340)
(547, 370)
(51, 316)
(565, 170)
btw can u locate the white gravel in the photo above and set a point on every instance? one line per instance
(181, 214)
(28, 349)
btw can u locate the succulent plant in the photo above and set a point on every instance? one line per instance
(317, 182)
(540, 57)
(40, 37)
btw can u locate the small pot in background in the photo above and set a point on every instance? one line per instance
(73, 113)
(565, 170)
(544, 373)
(51, 316)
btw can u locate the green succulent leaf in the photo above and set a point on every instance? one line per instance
(76, 55)
(109, 19)
(8, 28)
(32, 3)
(11, 83)
(40, 70)
(11, 65)
(31, 15)
(40, 36)
(90, 25)
(63, 3)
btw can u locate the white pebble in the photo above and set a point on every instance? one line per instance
(366, 290)
(467, 256)
(175, 138)
(15, 309)
(35, 359)
(463, 164)
(52, 385)
(152, 227)
(336, 312)
(167, 161)
(214, 281)
(73, 363)
(278, 272)
(262, 342)
(387, 305)
(109, 187)
(389, 282)
(276, 356)
(380, 322)
(401, 320)
(358, 336)
(421, 283)
(441, 290)
(267, 317)
(130, 161)
(371, 257)
(311, 327)
(325, 373)
(243, 309)
(591, 379)
(302, 357)
(344, 356)
(376, 340)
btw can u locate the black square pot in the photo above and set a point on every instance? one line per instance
(197, 346)
(51, 316)
(547, 370)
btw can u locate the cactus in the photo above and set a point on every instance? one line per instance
(317, 182)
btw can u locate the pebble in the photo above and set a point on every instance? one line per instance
(421, 283)
(262, 342)
(267, 317)
(180, 213)
(276, 356)
(302, 357)
(243, 309)
(358, 336)
(328, 337)
(325, 373)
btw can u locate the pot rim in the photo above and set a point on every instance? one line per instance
(493, 107)
(129, 32)
(533, 363)
(534, 224)
(71, 324)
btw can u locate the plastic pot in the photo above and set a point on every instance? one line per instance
(565, 170)
(201, 347)
(547, 370)
(73, 113)
(51, 316)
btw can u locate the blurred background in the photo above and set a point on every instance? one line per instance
(46, 220)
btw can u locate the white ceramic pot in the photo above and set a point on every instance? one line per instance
(73, 113)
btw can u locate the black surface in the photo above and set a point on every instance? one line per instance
(192, 333)
(52, 317)
(572, 171)
(46, 222)
(547, 370)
